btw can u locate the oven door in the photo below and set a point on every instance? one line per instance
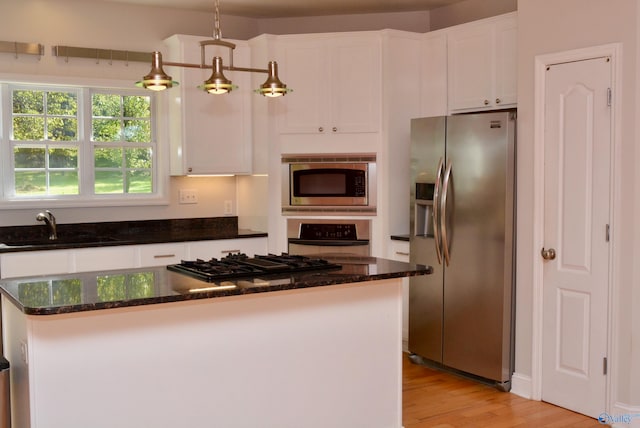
(307, 247)
(329, 236)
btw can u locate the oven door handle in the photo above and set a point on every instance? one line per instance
(328, 243)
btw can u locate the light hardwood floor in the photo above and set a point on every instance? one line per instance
(435, 399)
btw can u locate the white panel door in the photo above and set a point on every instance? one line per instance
(576, 219)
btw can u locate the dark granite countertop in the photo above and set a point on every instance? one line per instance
(81, 235)
(80, 292)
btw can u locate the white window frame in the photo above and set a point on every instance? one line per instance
(86, 197)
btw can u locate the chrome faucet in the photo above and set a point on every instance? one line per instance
(49, 219)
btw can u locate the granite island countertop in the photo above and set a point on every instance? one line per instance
(90, 291)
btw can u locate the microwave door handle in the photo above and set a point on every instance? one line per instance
(436, 211)
(446, 245)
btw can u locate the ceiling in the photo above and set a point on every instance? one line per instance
(293, 8)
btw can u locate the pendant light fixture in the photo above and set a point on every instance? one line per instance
(158, 80)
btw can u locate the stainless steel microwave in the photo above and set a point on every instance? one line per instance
(329, 183)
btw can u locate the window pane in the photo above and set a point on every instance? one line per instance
(108, 158)
(29, 157)
(141, 285)
(30, 183)
(109, 182)
(104, 105)
(139, 182)
(27, 128)
(63, 157)
(34, 294)
(138, 131)
(106, 130)
(63, 183)
(62, 129)
(28, 102)
(62, 103)
(66, 292)
(138, 158)
(110, 288)
(136, 106)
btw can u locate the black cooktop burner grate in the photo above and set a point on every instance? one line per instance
(241, 266)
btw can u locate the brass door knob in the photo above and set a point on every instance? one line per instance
(549, 254)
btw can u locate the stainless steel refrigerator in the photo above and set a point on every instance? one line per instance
(462, 224)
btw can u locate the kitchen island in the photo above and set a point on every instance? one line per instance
(154, 348)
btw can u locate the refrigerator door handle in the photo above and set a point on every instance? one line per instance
(436, 211)
(443, 214)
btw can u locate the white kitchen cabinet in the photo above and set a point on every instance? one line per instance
(336, 80)
(399, 250)
(208, 134)
(162, 254)
(433, 74)
(31, 263)
(223, 247)
(104, 258)
(482, 64)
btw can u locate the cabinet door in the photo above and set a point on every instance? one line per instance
(471, 67)
(304, 110)
(355, 84)
(433, 75)
(209, 134)
(506, 34)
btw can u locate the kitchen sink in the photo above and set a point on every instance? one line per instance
(61, 241)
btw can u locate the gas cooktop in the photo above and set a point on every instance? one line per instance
(241, 266)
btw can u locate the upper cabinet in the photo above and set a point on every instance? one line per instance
(208, 134)
(433, 74)
(482, 64)
(336, 79)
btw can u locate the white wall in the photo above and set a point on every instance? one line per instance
(572, 24)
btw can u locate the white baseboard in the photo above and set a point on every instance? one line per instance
(622, 416)
(521, 385)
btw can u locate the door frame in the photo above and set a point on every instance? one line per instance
(614, 51)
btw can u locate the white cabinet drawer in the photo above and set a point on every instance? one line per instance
(105, 258)
(162, 254)
(31, 263)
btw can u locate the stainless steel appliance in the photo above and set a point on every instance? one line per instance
(344, 183)
(462, 224)
(235, 266)
(329, 236)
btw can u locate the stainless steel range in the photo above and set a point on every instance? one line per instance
(235, 266)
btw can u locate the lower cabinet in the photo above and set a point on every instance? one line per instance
(32, 263)
(399, 250)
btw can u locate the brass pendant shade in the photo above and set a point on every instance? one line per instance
(273, 87)
(217, 84)
(157, 79)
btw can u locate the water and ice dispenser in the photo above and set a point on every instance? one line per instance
(424, 209)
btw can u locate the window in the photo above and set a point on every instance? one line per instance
(78, 145)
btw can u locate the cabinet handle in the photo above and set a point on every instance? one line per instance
(334, 129)
(402, 253)
(189, 169)
(163, 256)
(497, 100)
(486, 102)
(230, 251)
(321, 129)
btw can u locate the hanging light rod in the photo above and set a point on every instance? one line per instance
(158, 79)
